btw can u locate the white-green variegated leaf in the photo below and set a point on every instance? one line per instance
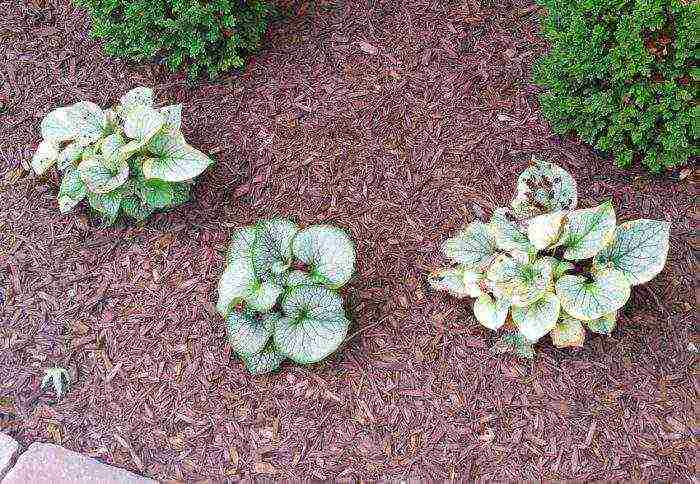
(539, 318)
(45, 156)
(174, 160)
(561, 268)
(236, 283)
(269, 359)
(508, 236)
(587, 300)
(129, 149)
(604, 324)
(473, 247)
(639, 250)
(249, 333)
(181, 193)
(514, 343)
(544, 231)
(518, 282)
(135, 208)
(106, 204)
(458, 281)
(101, 175)
(155, 193)
(490, 312)
(58, 126)
(329, 253)
(298, 278)
(568, 333)
(263, 296)
(142, 123)
(72, 190)
(89, 122)
(110, 146)
(272, 248)
(588, 231)
(173, 116)
(69, 155)
(314, 325)
(241, 244)
(544, 187)
(140, 96)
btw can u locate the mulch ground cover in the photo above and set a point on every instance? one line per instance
(399, 120)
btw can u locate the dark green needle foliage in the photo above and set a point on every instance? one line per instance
(193, 35)
(622, 75)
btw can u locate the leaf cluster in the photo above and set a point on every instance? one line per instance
(623, 76)
(541, 266)
(210, 36)
(279, 295)
(130, 159)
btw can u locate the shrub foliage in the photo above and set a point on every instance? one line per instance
(621, 75)
(193, 35)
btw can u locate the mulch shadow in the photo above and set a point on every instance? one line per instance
(399, 120)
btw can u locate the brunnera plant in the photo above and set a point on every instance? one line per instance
(279, 292)
(130, 159)
(543, 267)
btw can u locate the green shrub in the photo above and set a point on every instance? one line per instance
(130, 159)
(621, 74)
(192, 35)
(543, 267)
(279, 296)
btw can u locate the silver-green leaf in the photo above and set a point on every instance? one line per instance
(588, 231)
(473, 247)
(587, 300)
(328, 251)
(248, 333)
(174, 160)
(539, 318)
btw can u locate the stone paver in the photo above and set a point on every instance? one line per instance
(8, 449)
(51, 464)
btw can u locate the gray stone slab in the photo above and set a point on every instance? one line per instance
(8, 449)
(51, 464)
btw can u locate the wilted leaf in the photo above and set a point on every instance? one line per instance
(544, 187)
(568, 333)
(544, 230)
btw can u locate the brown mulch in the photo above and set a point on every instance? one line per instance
(399, 120)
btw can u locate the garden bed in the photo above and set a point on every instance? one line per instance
(399, 121)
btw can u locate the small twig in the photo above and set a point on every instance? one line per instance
(362, 330)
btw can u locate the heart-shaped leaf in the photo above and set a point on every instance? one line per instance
(173, 116)
(247, 333)
(269, 359)
(508, 236)
(328, 251)
(544, 231)
(539, 318)
(45, 156)
(587, 300)
(473, 247)
(101, 175)
(142, 123)
(140, 96)
(639, 250)
(263, 295)
(314, 324)
(236, 283)
(272, 248)
(58, 126)
(514, 343)
(72, 191)
(490, 312)
(568, 333)
(603, 325)
(458, 281)
(106, 204)
(588, 231)
(544, 187)
(520, 283)
(155, 193)
(89, 122)
(174, 160)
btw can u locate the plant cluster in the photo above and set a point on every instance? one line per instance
(279, 295)
(132, 158)
(544, 267)
(623, 76)
(192, 35)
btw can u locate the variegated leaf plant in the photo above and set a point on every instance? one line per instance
(279, 292)
(543, 267)
(130, 159)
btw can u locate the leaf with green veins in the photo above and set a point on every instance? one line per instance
(247, 333)
(107, 204)
(458, 281)
(173, 116)
(266, 361)
(111, 145)
(45, 156)
(490, 312)
(544, 231)
(58, 378)
(173, 160)
(142, 123)
(241, 244)
(263, 296)
(272, 248)
(237, 282)
(508, 236)
(604, 324)
(544, 187)
(72, 190)
(539, 318)
(514, 343)
(298, 278)
(140, 96)
(155, 193)
(588, 231)
(69, 155)
(133, 207)
(639, 250)
(102, 175)
(518, 282)
(587, 300)
(314, 324)
(328, 251)
(568, 333)
(473, 247)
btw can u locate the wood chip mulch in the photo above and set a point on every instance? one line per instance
(399, 120)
